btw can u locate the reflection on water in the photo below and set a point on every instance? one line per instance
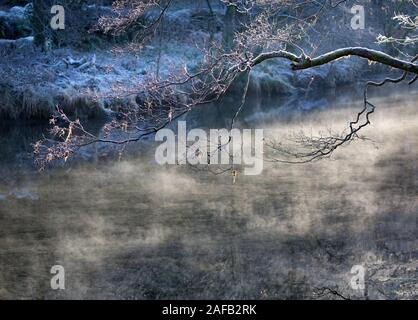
(134, 230)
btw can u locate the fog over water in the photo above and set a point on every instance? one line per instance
(136, 230)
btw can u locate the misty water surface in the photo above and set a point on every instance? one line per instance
(131, 229)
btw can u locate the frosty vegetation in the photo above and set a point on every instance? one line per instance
(255, 32)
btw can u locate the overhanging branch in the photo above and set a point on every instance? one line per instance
(305, 62)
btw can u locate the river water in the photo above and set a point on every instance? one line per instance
(131, 229)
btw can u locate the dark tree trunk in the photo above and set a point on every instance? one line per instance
(229, 28)
(44, 35)
(40, 22)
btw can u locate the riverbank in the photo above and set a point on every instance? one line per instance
(34, 82)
